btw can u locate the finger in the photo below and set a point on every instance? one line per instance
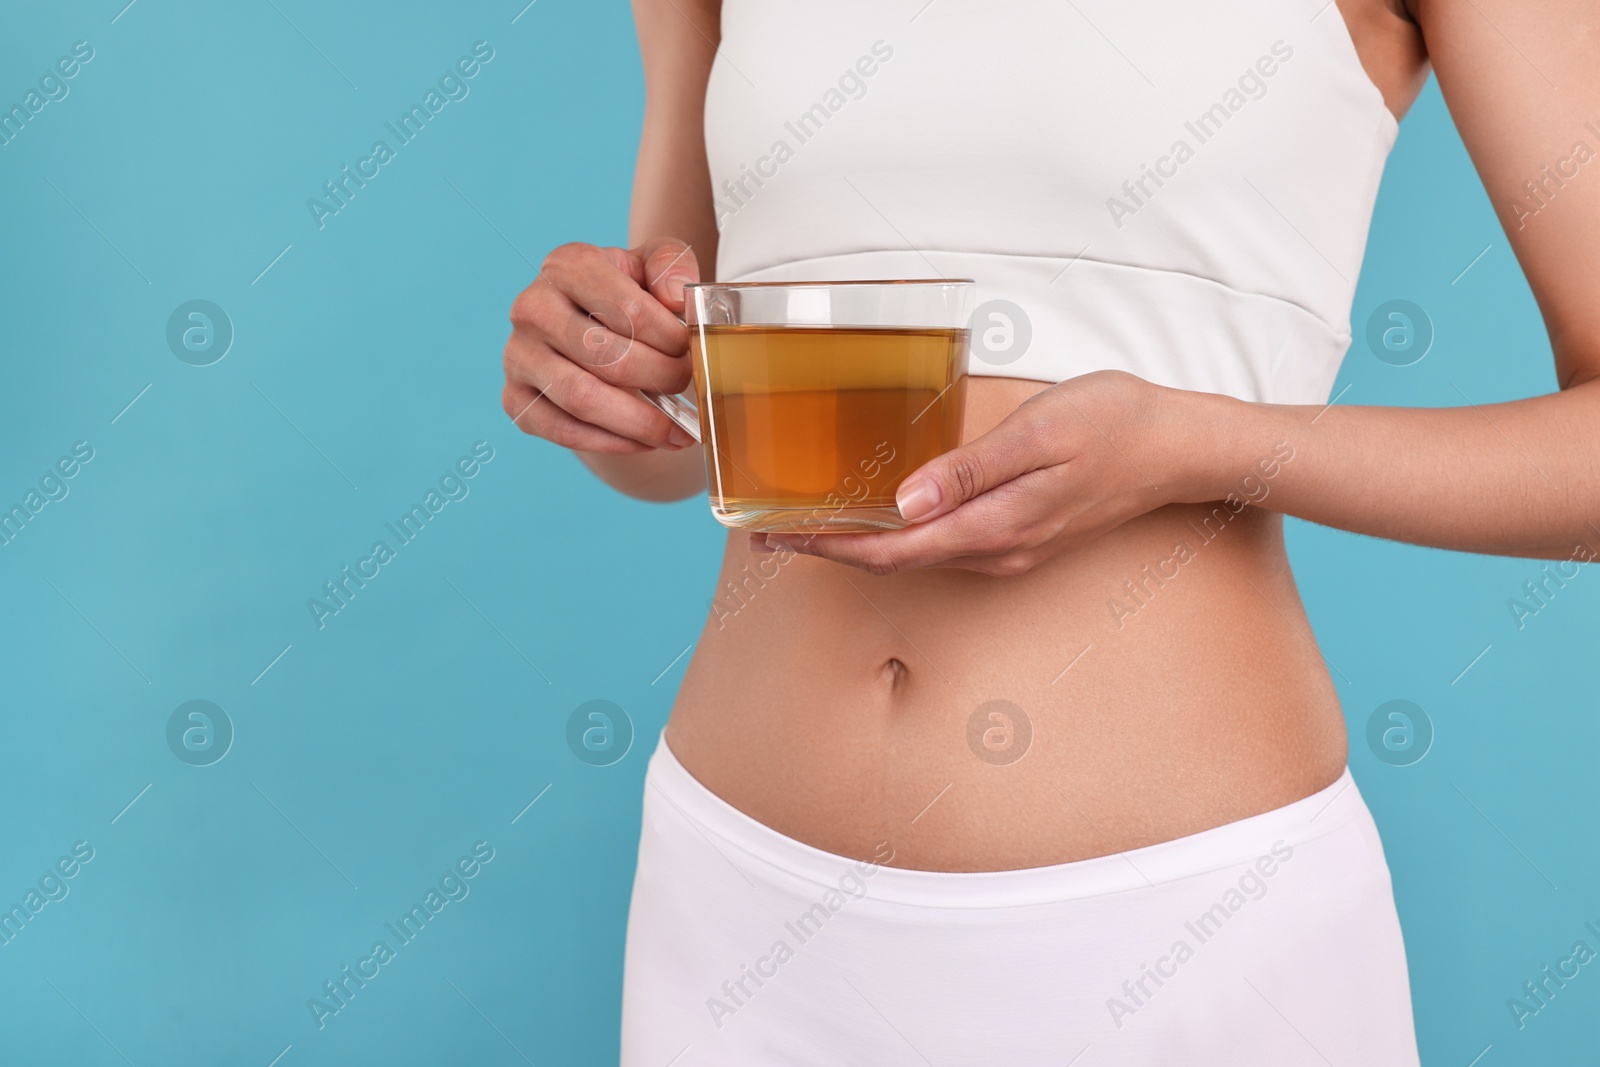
(1025, 440)
(589, 399)
(533, 414)
(546, 313)
(620, 359)
(830, 547)
(591, 279)
(667, 265)
(872, 555)
(864, 551)
(875, 553)
(1004, 522)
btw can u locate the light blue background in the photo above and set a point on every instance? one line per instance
(376, 751)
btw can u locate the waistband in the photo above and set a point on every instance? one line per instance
(1231, 845)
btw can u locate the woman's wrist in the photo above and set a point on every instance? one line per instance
(1210, 444)
(660, 476)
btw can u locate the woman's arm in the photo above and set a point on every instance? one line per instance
(1518, 478)
(671, 198)
(672, 181)
(599, 323)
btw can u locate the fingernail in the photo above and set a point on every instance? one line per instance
(678, 439)
(775, 545)
(917, 499)
(758, 543)
(674, 288)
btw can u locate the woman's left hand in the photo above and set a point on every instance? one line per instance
(1065, 467)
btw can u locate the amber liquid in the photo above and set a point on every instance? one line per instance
(814, 427)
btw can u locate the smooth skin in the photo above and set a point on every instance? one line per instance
(830, 692)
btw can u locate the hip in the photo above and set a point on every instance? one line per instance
(747, 946)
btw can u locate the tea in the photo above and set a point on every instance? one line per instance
(812, 427)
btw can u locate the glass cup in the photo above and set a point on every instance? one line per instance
(815, 399)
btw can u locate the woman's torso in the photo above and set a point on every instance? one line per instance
(1160, 681)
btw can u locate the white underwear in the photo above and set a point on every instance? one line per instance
(1270, 940)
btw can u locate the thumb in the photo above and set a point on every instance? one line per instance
(668, 264)
(941, 485)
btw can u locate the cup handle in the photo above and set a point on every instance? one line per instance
(679, 408)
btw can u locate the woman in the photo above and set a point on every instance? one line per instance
(1058, 771)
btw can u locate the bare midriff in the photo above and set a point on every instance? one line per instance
(1167, 692)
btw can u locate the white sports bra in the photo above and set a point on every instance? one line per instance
(1181, 190)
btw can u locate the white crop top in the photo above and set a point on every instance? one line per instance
(1181, 190)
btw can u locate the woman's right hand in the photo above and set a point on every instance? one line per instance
(596, 325)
